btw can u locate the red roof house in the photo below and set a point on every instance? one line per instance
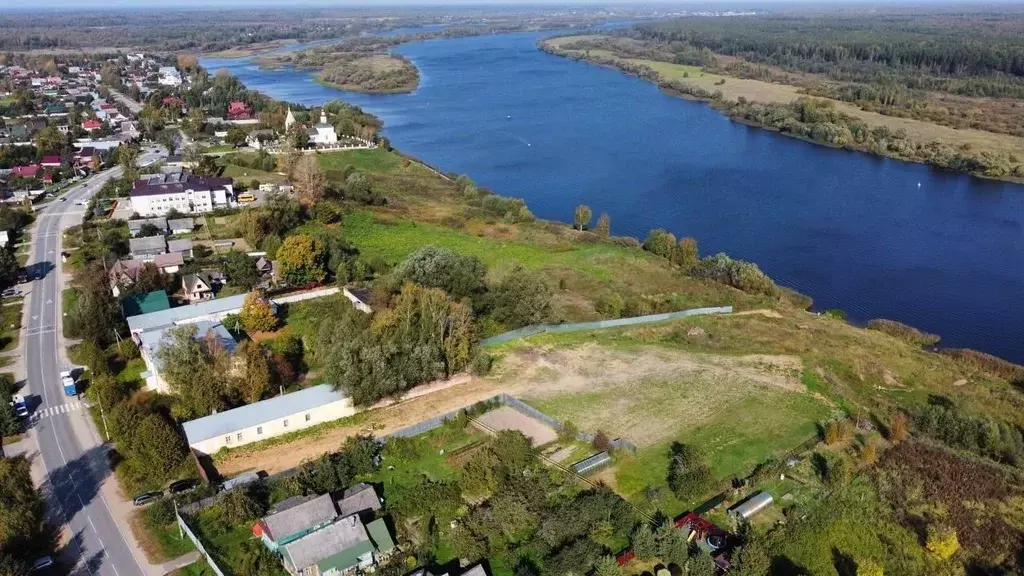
(106, 106)
(91, 124)
(30, 171)
(47, 178)
(238, 110)
(51, 161)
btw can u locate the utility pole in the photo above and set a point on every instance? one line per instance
(103, 417)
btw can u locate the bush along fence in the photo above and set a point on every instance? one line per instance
(198, 544)
(584, 326)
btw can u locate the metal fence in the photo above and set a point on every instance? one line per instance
(505, 399)
(583, 326)
(198, 544)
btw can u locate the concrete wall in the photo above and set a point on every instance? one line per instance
(263, 431)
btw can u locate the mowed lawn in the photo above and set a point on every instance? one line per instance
(374, 160)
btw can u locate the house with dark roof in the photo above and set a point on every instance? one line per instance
(157, 194)
(87, 156)
(135, 226)
(342, 548)
(147, 247)
(294, 518)
(182, 246)
(181, 225)
(124, 273)
(196, 289)
(360, 499)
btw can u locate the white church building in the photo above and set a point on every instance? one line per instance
(320, 135)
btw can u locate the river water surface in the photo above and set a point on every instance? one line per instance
(877, 238)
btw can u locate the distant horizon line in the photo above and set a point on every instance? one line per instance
(203, 5)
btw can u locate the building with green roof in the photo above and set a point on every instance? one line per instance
(145, 303)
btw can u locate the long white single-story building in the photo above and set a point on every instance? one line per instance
(267, 419)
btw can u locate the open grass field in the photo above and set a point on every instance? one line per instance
(588, 271)
(248, 174)
(760, 91)
(740, 410)
(373, 160)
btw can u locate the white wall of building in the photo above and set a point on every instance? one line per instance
(318, 415)
(187, 202)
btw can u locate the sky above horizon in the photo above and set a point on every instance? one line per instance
(43, 5)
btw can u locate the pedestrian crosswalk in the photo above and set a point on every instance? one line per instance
(58, 409)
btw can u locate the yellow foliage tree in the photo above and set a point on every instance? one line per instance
(899, 428)
(256, 314)
(942, 542)
(869, 568)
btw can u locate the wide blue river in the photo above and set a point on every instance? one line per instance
(877, 238)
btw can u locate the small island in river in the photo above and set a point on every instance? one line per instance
(355, 71)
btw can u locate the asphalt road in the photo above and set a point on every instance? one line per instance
(71, 450)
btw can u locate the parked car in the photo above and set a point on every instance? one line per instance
(42, 563)
(147, 497)
(63, 199)
(11, 293)
(20, 405)
(179, 486)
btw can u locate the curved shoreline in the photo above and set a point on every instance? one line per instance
(718, 102)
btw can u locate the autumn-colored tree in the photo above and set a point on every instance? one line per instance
(837, 431)
(310, 180)
(942, 542)
(686, 254)
(188, 62)
(302, 259)
(899, 427)
(603, 227)
(257, 314)
(869, 452)
(581, 216)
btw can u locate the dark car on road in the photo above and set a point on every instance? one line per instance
(147, 497)
(179, 486)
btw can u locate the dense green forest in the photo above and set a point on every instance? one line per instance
(212, 30)
(971, 55)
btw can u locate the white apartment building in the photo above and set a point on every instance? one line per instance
(157, 194)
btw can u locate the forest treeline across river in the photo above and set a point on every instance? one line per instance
(913, 87)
